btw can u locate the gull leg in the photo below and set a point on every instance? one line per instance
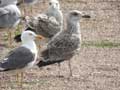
(25, 11)
(31, 9)
(9, 38)
(59, 75)
(17, 78)
(59, 69)
(39, 47)
(21, 80)
(69, 63)
(24, 8)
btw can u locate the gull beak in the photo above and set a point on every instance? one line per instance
(86, 16)
(53, 6)
(39, 37)
(82, 14)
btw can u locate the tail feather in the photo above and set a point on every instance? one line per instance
(4, 70)
(19, 3)
(1, 68)
(17, 38)
(45, 56)
(42, 63)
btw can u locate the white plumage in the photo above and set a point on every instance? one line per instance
(22, 57)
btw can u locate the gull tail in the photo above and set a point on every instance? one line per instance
(19, 3)
(2, 69)
(42, 63)
(17, 38)
(45, 60)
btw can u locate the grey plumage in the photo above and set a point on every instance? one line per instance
(49, 23)
(23, 56)
(9, 14)
(64, 44)
(55, 11)
(17, 59)
(7, 2)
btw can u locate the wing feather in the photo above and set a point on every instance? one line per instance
(62, 47)
(3, 11)
(17, 59)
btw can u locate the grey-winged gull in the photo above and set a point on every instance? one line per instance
(65, 44)
(47, 24)
(22, 57)
(9, 15)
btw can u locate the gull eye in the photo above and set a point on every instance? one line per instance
(75, 13)
(30, 34)
(50, 3)
(57, 4)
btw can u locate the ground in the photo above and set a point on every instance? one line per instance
(96, 67)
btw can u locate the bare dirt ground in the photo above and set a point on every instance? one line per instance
(95, 68)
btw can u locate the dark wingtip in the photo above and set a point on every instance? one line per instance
(19, 3)
(42, 64)
(4, 70)
(17, 38)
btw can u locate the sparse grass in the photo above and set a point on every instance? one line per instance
(100, 44)
(5, 37)
(18, 29)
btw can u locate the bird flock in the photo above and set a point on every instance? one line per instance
(62, 44)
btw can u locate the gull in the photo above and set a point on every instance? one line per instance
(65, 44)
(10, 15)
(47, 24)
(52, 21)
(23, 57)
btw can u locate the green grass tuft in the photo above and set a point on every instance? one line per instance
(100, 44)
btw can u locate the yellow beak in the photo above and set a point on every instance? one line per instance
(39, 37)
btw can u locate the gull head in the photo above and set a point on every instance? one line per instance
(54, 4)
(28, 36)
(76, 15)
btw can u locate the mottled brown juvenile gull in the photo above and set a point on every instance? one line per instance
(22, 57)
(49, 23)
(64, 45)
(52, 22)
